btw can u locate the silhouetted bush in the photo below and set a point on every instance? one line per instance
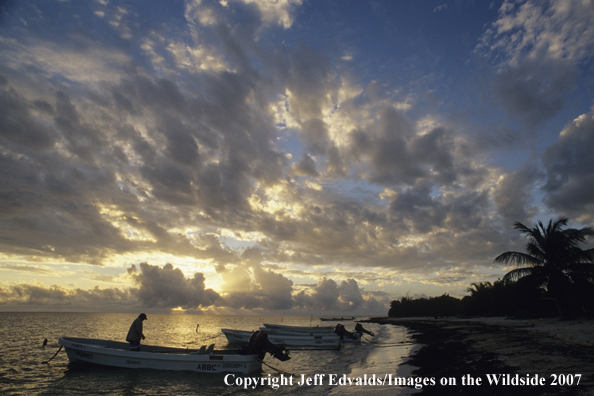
(523, 299)
(434, 306)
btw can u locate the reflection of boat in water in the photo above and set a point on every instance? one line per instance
(336, 319)
(118, 354)
(291, 341)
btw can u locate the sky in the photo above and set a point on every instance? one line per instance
(283, 157)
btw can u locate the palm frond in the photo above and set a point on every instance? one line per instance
(518, 258)
(514, 275)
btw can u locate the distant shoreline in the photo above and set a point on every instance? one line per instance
(525, 349)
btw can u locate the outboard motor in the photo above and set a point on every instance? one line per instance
(259, 344)
(359, 329)
(344, 333)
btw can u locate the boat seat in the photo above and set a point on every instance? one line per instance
(204, 350)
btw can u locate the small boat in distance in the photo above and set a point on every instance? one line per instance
(290, 341)
(207, 360)
(336, 319)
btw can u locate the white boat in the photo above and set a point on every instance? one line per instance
(326, 341)
(271, 332)
(117, 354)
(327, 329)
(339, 330)
(356, 337)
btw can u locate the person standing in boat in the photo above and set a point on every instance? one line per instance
(135, 333)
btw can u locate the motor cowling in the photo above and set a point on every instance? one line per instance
(259, 344)
(360, 329)
(343, 333)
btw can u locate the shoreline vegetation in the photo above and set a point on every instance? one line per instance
(527, 350)
(474, 344)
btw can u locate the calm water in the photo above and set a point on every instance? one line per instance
(22, 371)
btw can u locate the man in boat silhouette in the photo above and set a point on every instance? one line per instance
(135, 333)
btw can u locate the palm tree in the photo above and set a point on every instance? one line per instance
(479, 288)
(553, 259)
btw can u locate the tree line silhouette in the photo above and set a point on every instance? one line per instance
(555, 278)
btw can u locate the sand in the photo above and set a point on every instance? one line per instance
(541, 350)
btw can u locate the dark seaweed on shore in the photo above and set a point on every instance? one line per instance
(446, 353)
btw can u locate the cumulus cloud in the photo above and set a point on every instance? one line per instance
(253, 287)
(167, 287)
(328, 295)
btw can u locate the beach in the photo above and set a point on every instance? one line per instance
(527, 357)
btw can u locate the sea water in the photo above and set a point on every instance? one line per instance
(23, 371)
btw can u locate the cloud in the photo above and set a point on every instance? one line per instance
(531, 29)
(440, 7)
(400, 154)
(37, 296)
(535, 89)
(27, 268)
(327, 295)
(513, 195)
(569, 170)
(252, 287)
(163, 161)
(537, 47)
(198, 135)
(18, 124)
(278, 12)
(167, 287)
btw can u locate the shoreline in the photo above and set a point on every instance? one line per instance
(528, 350)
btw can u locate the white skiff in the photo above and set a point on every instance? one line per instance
(314, 333)
(317, 329)
(117, 354)
(290, 341)
(356, 337)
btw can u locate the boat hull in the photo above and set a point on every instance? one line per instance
(275, 332)
(317, 329)
(117, 354)
(328, 341)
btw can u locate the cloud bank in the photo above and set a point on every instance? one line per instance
(218, 136)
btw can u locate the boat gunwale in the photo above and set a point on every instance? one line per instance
(152, 352)
(296, 337)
